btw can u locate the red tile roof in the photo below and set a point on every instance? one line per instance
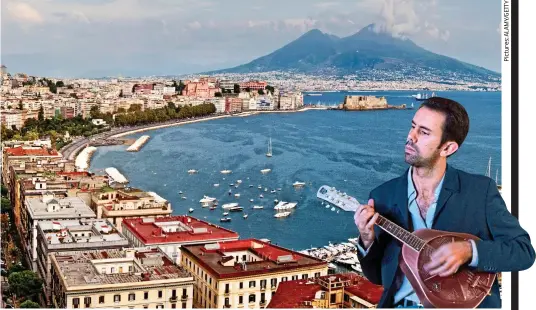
(274, 258)
(150, 233)
(22, 151)
(293, 294)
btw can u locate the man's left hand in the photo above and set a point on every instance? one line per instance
(446, 260)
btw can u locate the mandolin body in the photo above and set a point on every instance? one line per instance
(466, 288)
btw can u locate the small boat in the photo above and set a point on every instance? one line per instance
(251, 200)
(191, 210)
(226, 171)
(265, 171)
(192, 171)
(261, 196)
(225, 219)
(228, 206)
(245, 216)
(282, 214)
(279, 189)
(216, 185)
(231, 184)
(236, 209)
(230, 192)
(238, 181)
(258, 207)
(213, 208)
(266, 189)
(237, 195)
(225, 213)
(276, 201)
(184, 197)
(272, 191)
(180, 192)
(298, 184)
(283, 205)
(250, 185)
(333, 209)
(259, 187)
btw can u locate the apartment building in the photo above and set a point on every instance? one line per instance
(244, 273)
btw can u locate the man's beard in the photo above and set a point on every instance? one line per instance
(416, 160)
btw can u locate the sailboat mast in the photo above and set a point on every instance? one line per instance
(488, 173)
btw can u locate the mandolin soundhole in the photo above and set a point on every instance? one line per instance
(463, 286)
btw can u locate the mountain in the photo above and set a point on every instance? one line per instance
(369, 51)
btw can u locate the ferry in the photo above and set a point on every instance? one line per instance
(337, 198)
(282, 214)
(228, 206)
(283, 205)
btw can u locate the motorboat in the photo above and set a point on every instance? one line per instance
(236, 209)
(282, 214)
(237, 195)
(225, 219)
(228, 206)
(216, 185)
(225, 213)
(192, 171)
(261, 196)
(239, 181)
(258, 207)
(191, 210)
(251, 200)
(226, 171)
(259, 187)
(298, 184)
(207, 201)
(245, 216)
(272, 191)
(265, 171)
(283, 205)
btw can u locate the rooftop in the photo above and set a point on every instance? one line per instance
(98, 267)
(266, 258)
(294, 294)
(176, 229)
(48, 207)
(69, 234)
(31, 151)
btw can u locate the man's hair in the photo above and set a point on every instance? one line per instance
(456, 125)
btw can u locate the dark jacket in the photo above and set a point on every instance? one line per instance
(467, 203)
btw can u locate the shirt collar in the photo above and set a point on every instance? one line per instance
(411, 188)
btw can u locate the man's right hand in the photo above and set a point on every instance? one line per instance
(364, 218)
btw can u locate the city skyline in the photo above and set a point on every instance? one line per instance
(131, 38)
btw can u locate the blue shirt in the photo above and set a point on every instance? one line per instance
(405, 290)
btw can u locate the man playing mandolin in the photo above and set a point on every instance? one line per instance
(434, 195)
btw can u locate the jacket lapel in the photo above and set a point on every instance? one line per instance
(401, 199)
(451, 184)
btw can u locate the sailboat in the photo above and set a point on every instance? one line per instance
(488, 174)
(269, 154)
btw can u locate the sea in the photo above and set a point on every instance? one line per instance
(352, 151)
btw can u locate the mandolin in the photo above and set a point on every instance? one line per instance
(466, 288)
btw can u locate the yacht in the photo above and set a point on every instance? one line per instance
(236, 209)
(251, 200)
(237, 195)
(245, 216)
(225, 219)
(207, 201)
(228, 206)
(261, 196)
(216, 185)
(192, 171)
(283, 205)
(298, 184)
(225, 213)
(226, 171)
(265, 171)
(282, 214)
(258, 207)
(191, 210)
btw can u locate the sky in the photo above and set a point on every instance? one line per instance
(93, 38)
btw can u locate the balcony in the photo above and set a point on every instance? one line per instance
(262, 303)
(226, 306)
(184, 297)
(173, 299)
(263, 288)
(227, 292)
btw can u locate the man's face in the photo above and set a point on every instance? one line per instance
(422, 145)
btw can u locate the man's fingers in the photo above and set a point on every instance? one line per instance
(450, 271)
(372, 221)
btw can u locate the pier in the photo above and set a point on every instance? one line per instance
(82, 160)
(138, 144)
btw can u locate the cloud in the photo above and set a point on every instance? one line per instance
(195, 25)
(303, 24)
(24, 13)
(325, 5)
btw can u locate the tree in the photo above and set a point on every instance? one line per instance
(60, 84)
(94, 112)
(236, 88)
(6, 205)
(29, 304)
(261, 92)
(121, 110)
(4, 190)
(217, 94)
(271, 89)
(41, 114)
(248, 89)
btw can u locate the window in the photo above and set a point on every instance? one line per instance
(304, 276)
(346, 297)
(241, 285)
(131, 297)
(317, 274)
(251, 298)
(295, 277)
(283, 279)
(173, 306)
(263, 298)
(251, 284)
(120, 269)
(183, 305)
(117, 298)
(263, 284)
(159, 294)
(173, 293)
(215, 299)
(159, 306)
(145, 295)
(226, 288)
(103, 270)
(244, 257)
(87, 302)
(333, 298)
(226, 303)
(184, 292)
(76, 302)
(130, 268)
(112, 269)
(273, 282)
(145, 306)
(101, 299)
(240, 299)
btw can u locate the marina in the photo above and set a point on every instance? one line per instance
(138, 144)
